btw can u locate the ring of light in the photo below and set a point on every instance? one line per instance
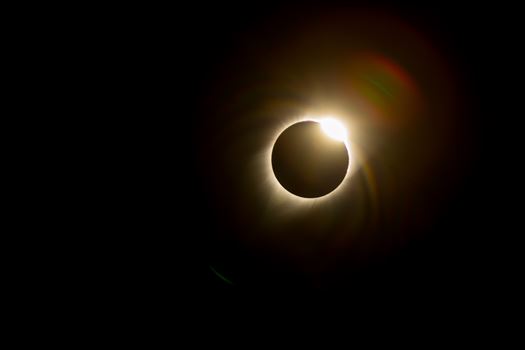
(333, 128)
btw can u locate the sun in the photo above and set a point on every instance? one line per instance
(334, 129)
(305, 164)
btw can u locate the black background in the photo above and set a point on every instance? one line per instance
(163, 245)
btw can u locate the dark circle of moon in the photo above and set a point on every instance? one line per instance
(307, 162)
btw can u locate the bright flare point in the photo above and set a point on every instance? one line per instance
(334, 129)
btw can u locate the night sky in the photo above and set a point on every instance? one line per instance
(217, 81)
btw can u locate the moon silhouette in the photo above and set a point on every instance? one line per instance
(307, 162)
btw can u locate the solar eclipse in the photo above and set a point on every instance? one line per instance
(310, 159)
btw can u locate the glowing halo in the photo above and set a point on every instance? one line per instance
(277, 193)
